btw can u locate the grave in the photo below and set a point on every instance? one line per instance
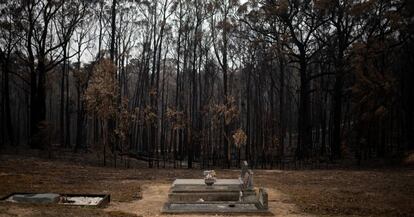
(96, 200)
(212, 195)
(34, 198)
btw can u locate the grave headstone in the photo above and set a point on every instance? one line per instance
(263, 198)
(244, 168)
(246, 177)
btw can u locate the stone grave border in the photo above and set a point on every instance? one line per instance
(106, 198)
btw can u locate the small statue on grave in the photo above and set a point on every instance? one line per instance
(246, 177)
(209, 177)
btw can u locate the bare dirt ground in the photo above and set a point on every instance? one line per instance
(385, 192)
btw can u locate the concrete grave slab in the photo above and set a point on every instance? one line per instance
(96, 200)
(44, 198)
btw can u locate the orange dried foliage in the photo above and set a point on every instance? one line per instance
(239, 138)
(102, 92)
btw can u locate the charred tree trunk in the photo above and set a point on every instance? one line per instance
(68, 103)
(304, 120)
(282, 126)
(8, 132)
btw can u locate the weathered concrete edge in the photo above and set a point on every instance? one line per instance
(262, 212)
